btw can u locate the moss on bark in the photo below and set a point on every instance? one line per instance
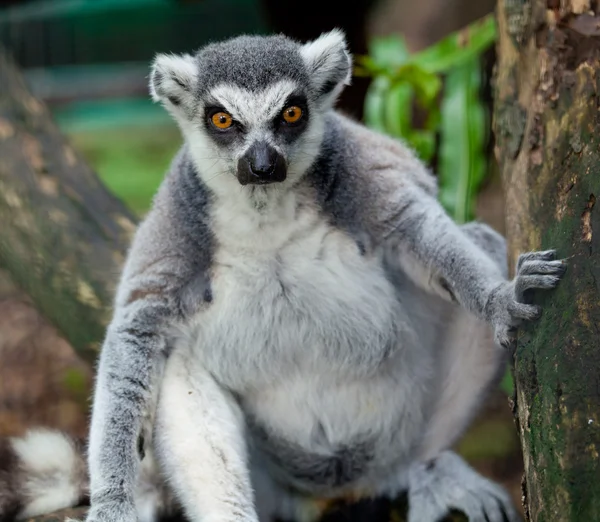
(548, 74)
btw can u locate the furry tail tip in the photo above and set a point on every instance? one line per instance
(40, 472)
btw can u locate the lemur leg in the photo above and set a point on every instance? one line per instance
(471, 363)
(153, 498)
(199, 440)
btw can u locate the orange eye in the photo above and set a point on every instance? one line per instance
(292, 114)
(222, 120)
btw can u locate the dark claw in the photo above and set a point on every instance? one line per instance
(528, 296)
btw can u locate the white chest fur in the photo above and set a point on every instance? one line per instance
(310, 333)
(290, 291)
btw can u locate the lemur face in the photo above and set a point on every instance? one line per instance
(253, 108)
(261, 132)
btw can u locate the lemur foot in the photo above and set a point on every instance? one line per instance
(448, 483)
(509, 304)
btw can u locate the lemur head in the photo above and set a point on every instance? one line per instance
(253, 108)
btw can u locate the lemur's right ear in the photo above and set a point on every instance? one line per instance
(172, 80)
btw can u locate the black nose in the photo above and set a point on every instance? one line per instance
(262, 159)
(261, 164)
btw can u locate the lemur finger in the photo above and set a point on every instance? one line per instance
(425, 511)
(524, 311)
(540, 282)
(543, 267)
(543, 255)
(494, 511)
(503, 510)
(508, 513)
(470, 506)
(504, 336)
(497, 512)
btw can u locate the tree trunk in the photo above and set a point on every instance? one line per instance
(547, 129)
(63, 236)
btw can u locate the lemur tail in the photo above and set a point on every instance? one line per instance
(41, 472)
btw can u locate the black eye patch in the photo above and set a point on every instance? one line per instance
(222, 137)
(291, 131)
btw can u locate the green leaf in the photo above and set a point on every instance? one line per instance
(374, 107)
(462, 165)
(434, 118)
(365, 66)
(459, 47)
(388, 51)
(385, 54)
(389, 56)
(426, 85)
(398, 110)
(423, 142)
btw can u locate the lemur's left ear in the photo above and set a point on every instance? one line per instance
(172, 80)
(328, 62)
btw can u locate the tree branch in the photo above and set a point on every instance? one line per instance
(63, 236)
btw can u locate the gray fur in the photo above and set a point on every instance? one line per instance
(250, 62)
(321, 336)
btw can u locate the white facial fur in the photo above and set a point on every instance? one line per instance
(173, 75)
(255, 111)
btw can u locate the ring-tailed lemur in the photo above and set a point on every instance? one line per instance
(298, 318)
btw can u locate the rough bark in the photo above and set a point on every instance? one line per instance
(63, 236)
(547, 128)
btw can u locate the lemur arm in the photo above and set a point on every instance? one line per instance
(419, 230)
(419, 227)
(129, 370)
(156, 293)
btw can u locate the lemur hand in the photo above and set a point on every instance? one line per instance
(509, 303)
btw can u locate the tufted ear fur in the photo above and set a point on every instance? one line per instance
(172, 80)
(329, 63)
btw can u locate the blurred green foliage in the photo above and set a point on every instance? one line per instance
(443, 82)
(130, 143)
(130, 161)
